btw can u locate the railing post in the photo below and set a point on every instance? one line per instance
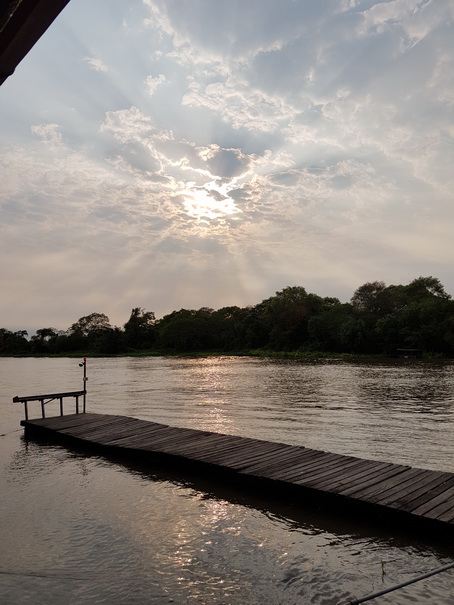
(85, 384)
(26, 409)
(77, 404)
(42, 408)
(84, 365)
(61, 406)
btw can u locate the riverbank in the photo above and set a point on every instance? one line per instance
(310, 356)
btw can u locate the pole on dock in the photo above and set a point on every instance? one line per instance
(84, 365)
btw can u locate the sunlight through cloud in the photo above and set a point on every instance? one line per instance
(208, 202)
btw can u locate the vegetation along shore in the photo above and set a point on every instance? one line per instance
(410, 320)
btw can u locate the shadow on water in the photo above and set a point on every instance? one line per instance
(298, 512)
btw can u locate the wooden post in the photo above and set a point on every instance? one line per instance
(42, 409)
(61, 406)
(77, 404)
(26, 409)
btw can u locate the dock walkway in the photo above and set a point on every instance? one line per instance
(418, 494)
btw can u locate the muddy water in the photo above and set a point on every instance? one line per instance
(79, 528)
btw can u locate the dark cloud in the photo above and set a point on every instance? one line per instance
(286, 179)
(137, 157)
(218, 197)
(227, 163)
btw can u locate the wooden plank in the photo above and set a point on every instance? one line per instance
(322, 477)
(80, 423)
(152, 431)
(374, 492)
(249, 457)
(229, 457)
(215, 439)
(250, 453)
(93, 427)
(307, 459)
(279, 460)
(220, 458)
(441, 510)
(93, 430)
(429, 505)
(160, 439)
(198, 448)
(311, 463)
(176, 447)
(447, 517)
(58, 422)
(236, 444)
(101, 436)
(168, 435)
(423, 495)
(356, 490)
(332, 473)
(142, 436)
(416, 483)
(318, 471)
(353, 476)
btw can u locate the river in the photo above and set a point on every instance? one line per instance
(84, 529)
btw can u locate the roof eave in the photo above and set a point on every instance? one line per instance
(22, 28)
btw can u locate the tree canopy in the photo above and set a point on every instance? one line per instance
(379, 319)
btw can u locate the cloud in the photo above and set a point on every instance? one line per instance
(96, 64)
(154, 83)
(48, 133)
(127, 124)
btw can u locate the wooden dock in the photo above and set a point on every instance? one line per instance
(408, 493)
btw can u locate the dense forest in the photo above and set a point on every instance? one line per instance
(378, 320)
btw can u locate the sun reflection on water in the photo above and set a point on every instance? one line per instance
(214, 383)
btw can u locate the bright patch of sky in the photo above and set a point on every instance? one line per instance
(170, 154)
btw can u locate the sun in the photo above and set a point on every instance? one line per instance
(208, 202)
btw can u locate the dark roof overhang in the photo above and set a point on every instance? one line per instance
(22, 23)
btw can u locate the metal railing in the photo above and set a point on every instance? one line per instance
(44, 399)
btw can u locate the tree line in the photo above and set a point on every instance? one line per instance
(378, 320)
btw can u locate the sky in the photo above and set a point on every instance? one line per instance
(170, 154)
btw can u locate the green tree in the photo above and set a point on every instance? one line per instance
(420, 318)
(88, 333)
(369, 297)
(13, 343)
(334, 329)
(228, 328)
(90, 324)
(186, 330)
(287, 315)
(139, 329)
(40, 341)
(426, 287)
